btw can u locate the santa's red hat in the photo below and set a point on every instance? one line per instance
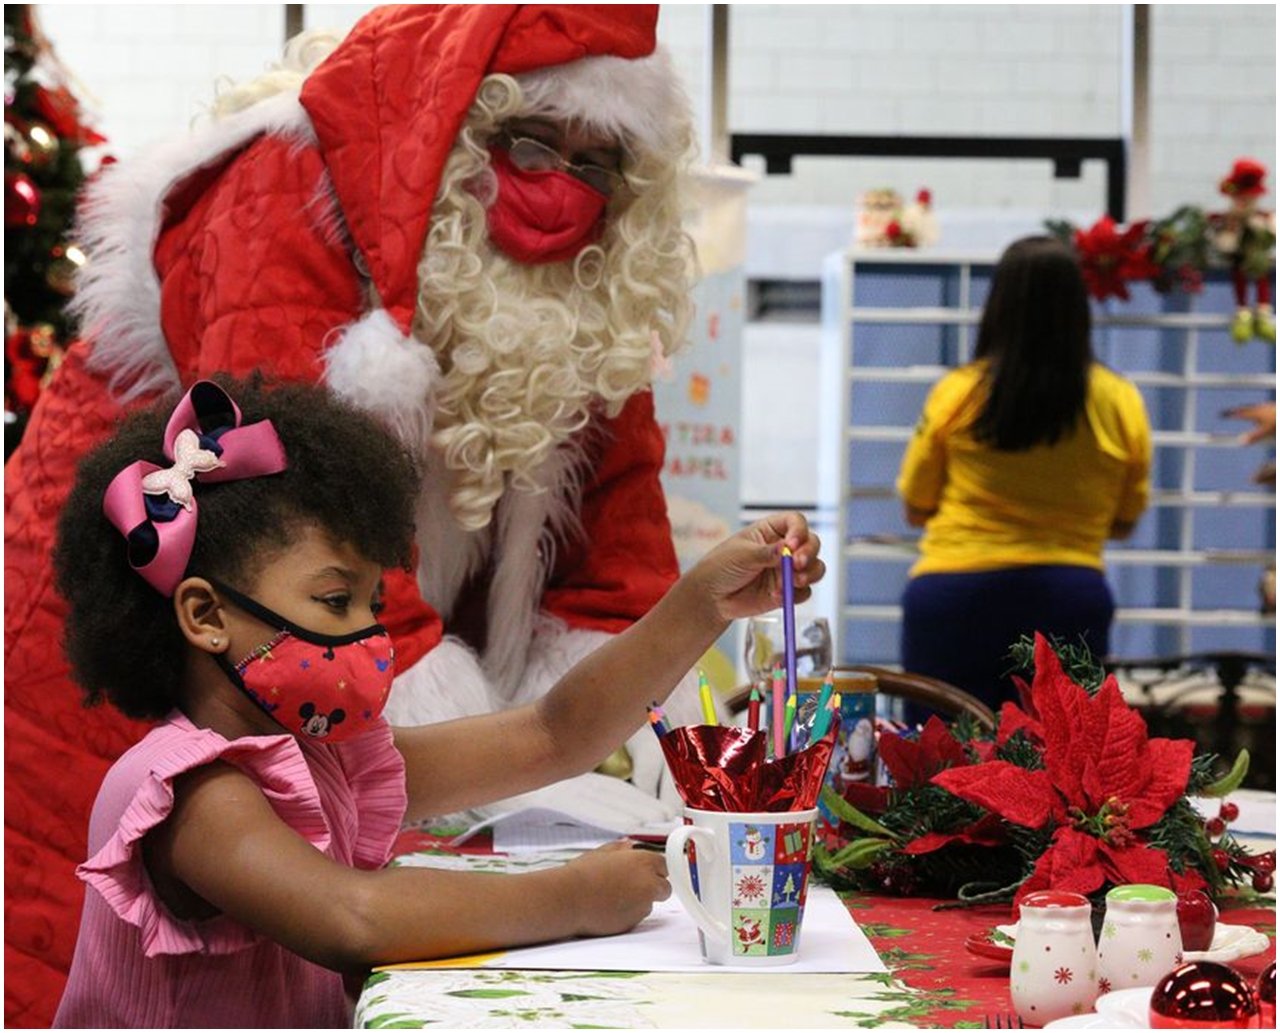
(394, 94)
(1245, 179)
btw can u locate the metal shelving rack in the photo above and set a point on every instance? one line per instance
(895, 321)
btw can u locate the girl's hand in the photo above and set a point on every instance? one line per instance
(743, 574)
(616, 887)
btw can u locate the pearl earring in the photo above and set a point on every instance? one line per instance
(215, 641)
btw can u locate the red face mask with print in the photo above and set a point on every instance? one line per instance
(542, 216)
(324, 687)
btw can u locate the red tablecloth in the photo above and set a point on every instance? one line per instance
(925, 949)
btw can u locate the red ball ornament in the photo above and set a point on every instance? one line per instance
(1222, 859)
(1263, 881)
(1228, 812)
(1215, 827)
(1267, 997)
(21, 200)
(1203, 995)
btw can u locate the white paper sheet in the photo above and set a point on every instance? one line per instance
(538, 829)
(667, 941)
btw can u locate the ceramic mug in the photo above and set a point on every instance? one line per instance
(744, 881)
(1141, 939)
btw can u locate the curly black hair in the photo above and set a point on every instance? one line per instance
(346, 475)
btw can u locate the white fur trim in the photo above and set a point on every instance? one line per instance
(556, 648)
(380, 370)
(529, 524)
(639, 99)
(445, 684)
(118, 294)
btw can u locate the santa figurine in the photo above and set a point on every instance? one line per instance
(1246, 236)
(464, 219)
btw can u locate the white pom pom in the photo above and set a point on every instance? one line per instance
(380, 370)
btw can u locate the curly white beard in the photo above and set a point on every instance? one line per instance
(529, 352)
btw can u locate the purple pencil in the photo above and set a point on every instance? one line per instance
(789, 618)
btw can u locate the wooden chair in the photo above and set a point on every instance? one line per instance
(918, 688)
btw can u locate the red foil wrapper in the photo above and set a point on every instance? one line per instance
(724, 768)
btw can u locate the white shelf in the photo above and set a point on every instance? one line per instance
(970, 317)
(1143, 378)
(1178, 499)
(1176, 617)
(1159, 438)
(909, 551)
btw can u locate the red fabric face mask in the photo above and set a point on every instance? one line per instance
(326, 687)
(543, 216)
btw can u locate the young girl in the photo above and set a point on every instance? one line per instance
(226, 585)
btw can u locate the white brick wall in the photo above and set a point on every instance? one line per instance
(868, 68)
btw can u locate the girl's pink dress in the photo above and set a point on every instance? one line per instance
(136, 965)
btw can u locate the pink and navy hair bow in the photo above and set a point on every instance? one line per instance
(155, 508)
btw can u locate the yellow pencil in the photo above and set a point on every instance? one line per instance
(708, 705)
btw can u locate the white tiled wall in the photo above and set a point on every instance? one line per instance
(840, 68)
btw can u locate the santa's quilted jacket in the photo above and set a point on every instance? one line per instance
(223, 259)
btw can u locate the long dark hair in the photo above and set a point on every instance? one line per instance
(1035, 336)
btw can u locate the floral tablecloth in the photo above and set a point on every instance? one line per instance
(933, 982)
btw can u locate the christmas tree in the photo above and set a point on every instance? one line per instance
(44, 142)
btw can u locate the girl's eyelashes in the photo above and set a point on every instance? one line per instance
(338, 603)
(377, 606)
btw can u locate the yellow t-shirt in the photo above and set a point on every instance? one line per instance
(1050, 504)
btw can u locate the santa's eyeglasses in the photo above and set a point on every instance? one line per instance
(534, 156)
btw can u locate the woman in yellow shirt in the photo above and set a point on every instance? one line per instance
(1023, 463)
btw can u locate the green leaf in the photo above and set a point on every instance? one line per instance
(488, 993)
(860, 853)
(396, 1020)
(847, 812)
(1231, 781)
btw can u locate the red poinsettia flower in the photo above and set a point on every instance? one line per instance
(1245, 179)
(1103, 781)
(1109, 258)
(911, 763)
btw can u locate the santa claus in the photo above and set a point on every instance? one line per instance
(462, 218)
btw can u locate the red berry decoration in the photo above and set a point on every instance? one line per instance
(1222, 859)
(1215, 827)
(1263, 881)
(1265, 862)
(1229, 812)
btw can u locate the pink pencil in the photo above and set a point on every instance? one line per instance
(779, 721)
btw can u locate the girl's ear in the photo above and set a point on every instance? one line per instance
(200, 616)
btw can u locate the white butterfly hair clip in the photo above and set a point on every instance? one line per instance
(189, 460)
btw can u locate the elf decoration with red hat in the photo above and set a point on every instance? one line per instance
(463, 218)
(1246, 235)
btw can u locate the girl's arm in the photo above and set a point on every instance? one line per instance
(602, 700)
(224, 843)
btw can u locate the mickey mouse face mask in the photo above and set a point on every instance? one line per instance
(326, 687)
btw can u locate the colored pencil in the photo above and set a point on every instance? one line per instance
(753, 710)
(789, 721)
(779, 689)
(789, 618)
(708, 705)
(822, 716)
(655, 721)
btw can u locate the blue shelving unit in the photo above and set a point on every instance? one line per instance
(1186, 581)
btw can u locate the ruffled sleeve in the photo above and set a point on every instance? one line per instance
(117, 872)
(375, 772)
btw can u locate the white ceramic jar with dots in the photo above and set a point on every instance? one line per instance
(1140, 938)
(1054, 969)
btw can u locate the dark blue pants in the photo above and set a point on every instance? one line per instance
(959, 627)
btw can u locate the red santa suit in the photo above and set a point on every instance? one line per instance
(258, 243)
